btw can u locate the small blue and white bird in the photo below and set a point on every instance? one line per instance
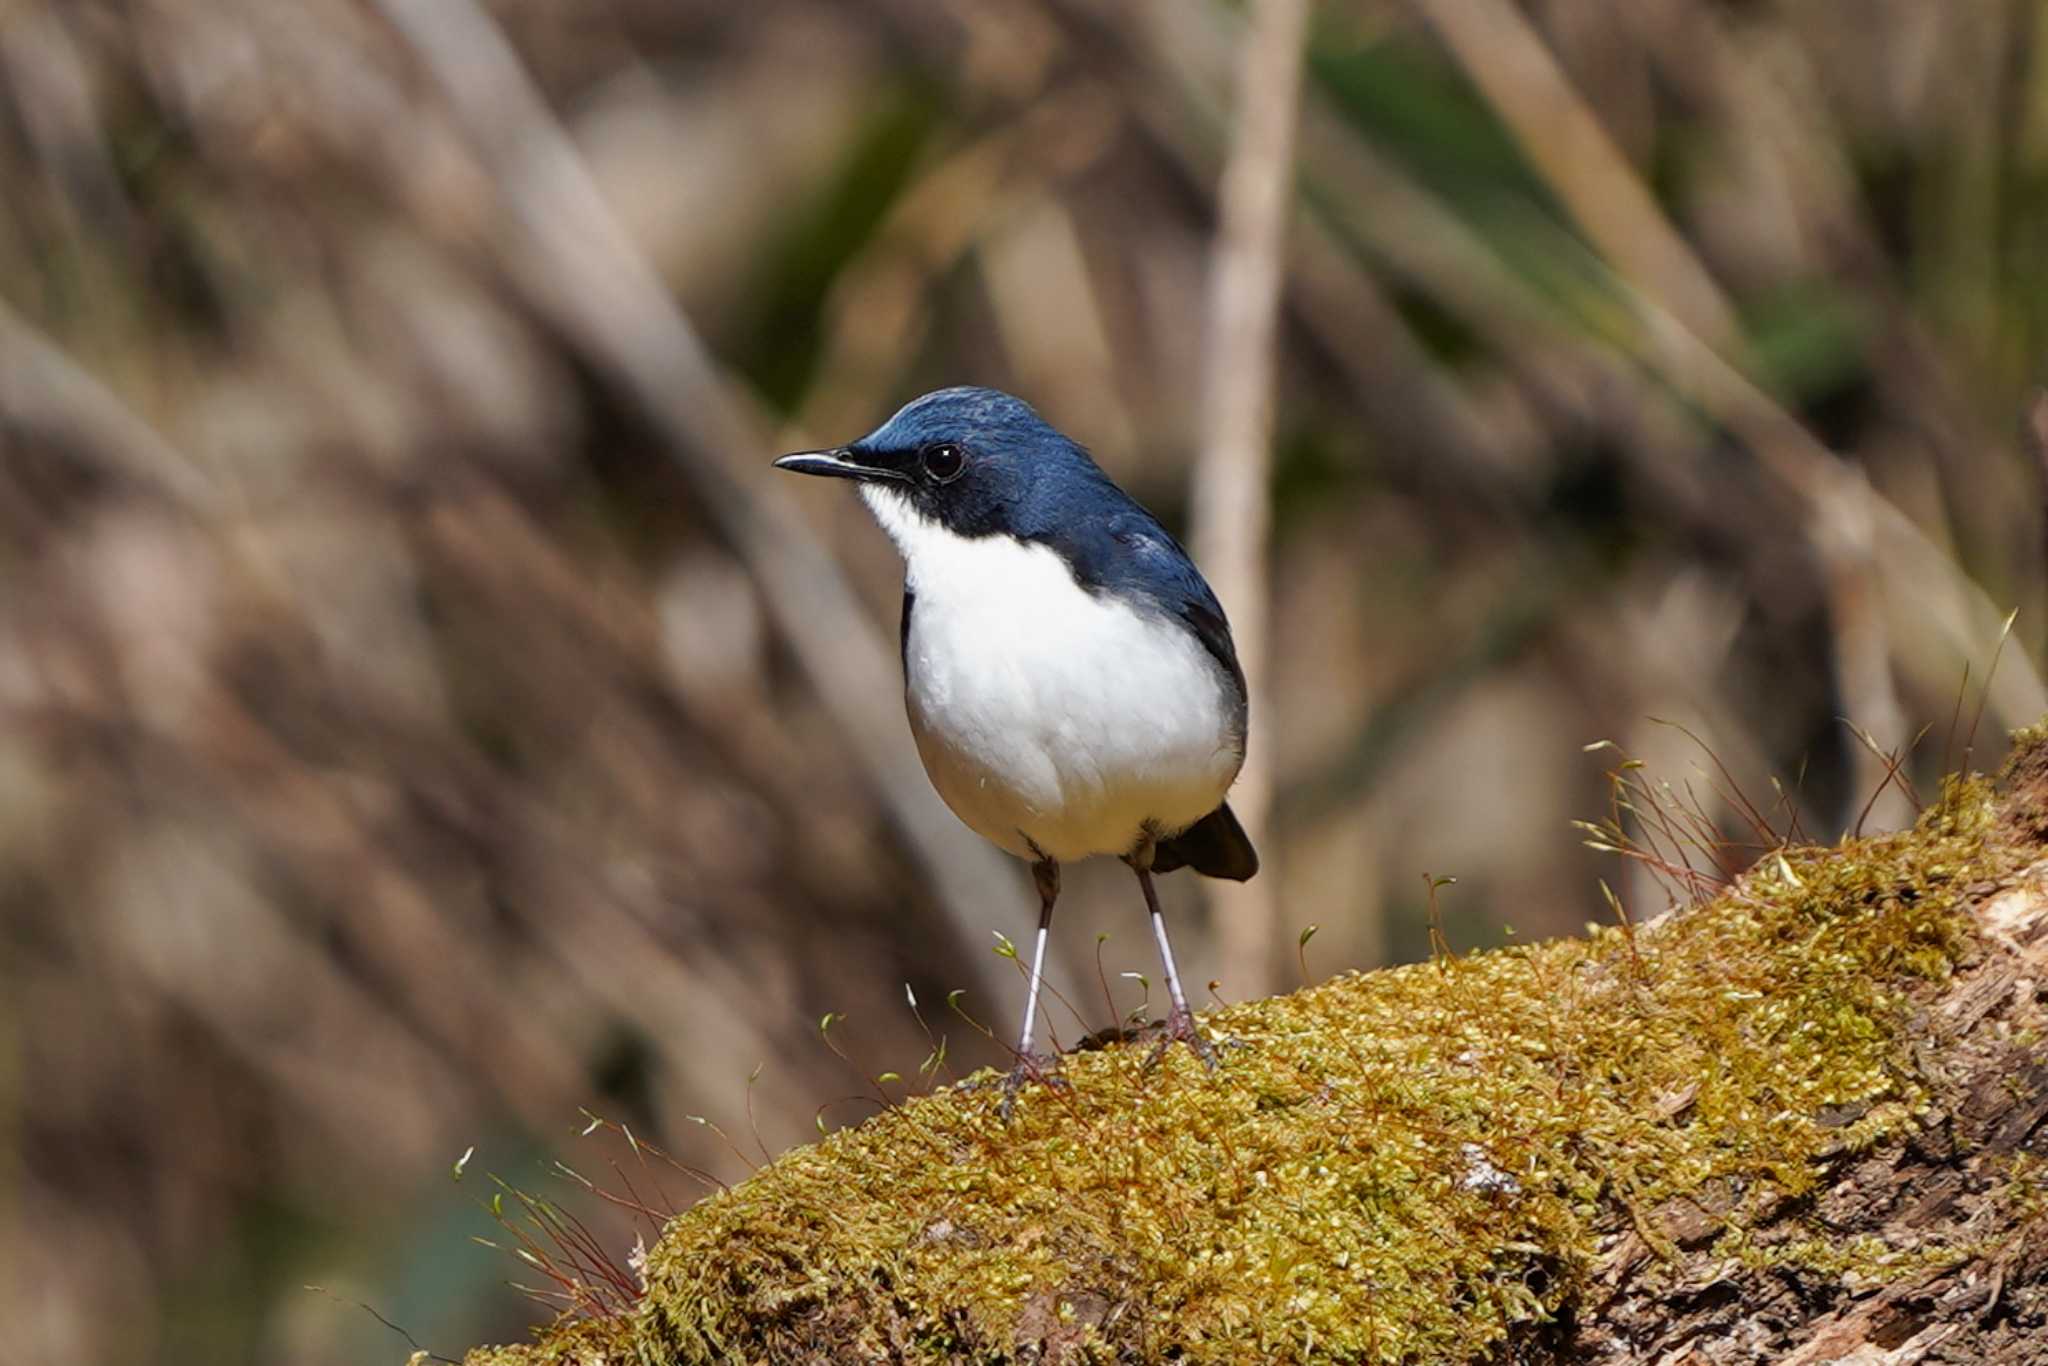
(1070, 677)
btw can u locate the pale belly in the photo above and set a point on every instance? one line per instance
(1058, 724)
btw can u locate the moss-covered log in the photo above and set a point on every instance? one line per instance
(1802, 1122)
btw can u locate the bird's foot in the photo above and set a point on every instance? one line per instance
(1043, 1068)
(1179, 1027)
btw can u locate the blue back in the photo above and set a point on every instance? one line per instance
(1025, 479)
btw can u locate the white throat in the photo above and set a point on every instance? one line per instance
(910, 529)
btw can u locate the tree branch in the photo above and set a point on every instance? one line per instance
(1231, 519)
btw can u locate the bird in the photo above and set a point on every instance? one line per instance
(1069, 676)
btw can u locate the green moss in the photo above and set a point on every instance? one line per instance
(1405, 1165)
(573, 1342)
(1862, 1262)
(2026, 1192)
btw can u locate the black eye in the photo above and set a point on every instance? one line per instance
(944, 462)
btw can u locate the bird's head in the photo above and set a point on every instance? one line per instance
(974, 461)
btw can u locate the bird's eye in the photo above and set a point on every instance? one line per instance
(944, 462)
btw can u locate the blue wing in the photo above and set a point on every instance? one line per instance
(1146, 560)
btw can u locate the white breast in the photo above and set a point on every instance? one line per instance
(1051, 720)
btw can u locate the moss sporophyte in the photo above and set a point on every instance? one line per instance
(1404, 1165)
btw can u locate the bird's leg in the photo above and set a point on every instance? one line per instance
(1031, 1067)
(1046, 874)
(1180, 1021)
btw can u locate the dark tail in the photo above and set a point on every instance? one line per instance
(1214, 846)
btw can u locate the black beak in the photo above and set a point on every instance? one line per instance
(834, 464)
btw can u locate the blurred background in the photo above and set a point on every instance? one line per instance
(424, 716)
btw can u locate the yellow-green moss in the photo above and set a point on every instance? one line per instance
(574, 1342)
(2027, 1187)
(1396, 1166)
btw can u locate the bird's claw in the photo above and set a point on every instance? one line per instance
(1179, 1027)
(1042, 1068)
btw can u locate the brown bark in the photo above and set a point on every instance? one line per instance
(1975, 1175)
